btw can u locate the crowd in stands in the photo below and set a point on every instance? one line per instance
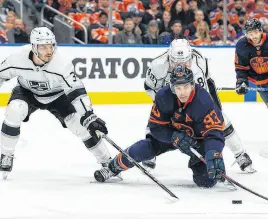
(12, 28)
(145, 21)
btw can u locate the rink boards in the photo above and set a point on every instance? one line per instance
(115, 74)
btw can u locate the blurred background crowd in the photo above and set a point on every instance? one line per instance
(135, 21)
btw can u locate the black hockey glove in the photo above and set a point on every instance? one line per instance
(241, 86)
(215, 165)
(183, 142)
(93, 123)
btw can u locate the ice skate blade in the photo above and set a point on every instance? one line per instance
(5, 174)
(250, 169)
(229, 185)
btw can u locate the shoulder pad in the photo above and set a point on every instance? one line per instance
(60, 63)
(197, 53)
(242, 42)
(165, 99)
(159, 67)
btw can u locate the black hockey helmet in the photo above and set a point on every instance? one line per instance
(252, 24)
(181, 75)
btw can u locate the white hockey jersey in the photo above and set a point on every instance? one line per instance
(158, 74)
(47, 82)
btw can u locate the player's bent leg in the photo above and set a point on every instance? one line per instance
(93, 143)
(141, 150)
(16, 112)
(233, 142)
(200, 176)
(149, 164)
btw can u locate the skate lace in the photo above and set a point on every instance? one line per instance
(6, 161)
(106, 173)
(242, 159)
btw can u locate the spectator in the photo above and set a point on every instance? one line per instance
(164, 23)
(190, 14)
(238, 7)
(152, 37)
(82, 6)
(153, 13)
(207, 6)
(139, 28)
(191, 30)
(100, 31)
(103, 5)
(18, 34)
(177, 12)
(218, 39)
(260, 12)
(240, 25)
(130, 6)
(167, 4)
(3, 37)
(10, 22)
(64, 6)
(201, 37)
(48, 14)
(176, 28)
(5, 7)
(216, 14)
(127, 35)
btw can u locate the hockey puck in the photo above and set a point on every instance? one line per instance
(236, 202)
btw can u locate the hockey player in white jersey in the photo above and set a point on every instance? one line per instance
(157, 76)
(46, 81)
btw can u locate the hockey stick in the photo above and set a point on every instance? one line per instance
(250, 88)
(228, 178)
(130, 159)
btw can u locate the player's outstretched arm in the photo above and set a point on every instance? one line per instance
(76, 93)
(211, 126)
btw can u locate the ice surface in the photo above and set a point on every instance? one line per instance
(53, 173)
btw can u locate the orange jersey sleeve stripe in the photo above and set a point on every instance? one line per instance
(258, 82)
(241, 67)
(153, 120)
(214, 128)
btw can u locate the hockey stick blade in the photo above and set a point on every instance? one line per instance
(130, 159)
(230, 179)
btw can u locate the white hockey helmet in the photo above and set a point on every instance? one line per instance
(179, 51)
(42, 35)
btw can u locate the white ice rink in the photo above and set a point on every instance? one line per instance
(53, 173)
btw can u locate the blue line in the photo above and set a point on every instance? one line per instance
(117, 45)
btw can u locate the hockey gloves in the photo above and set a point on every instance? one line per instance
(93, 123)
(241, 86)
(183, 142)
(215, 165)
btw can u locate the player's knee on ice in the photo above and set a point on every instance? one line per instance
(145, 150)
(140, 151)
(200, 176)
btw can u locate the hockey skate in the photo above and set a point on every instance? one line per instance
(6, 164)
(104, 174)
(245, 163)
(149, 164)
(106, 164)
